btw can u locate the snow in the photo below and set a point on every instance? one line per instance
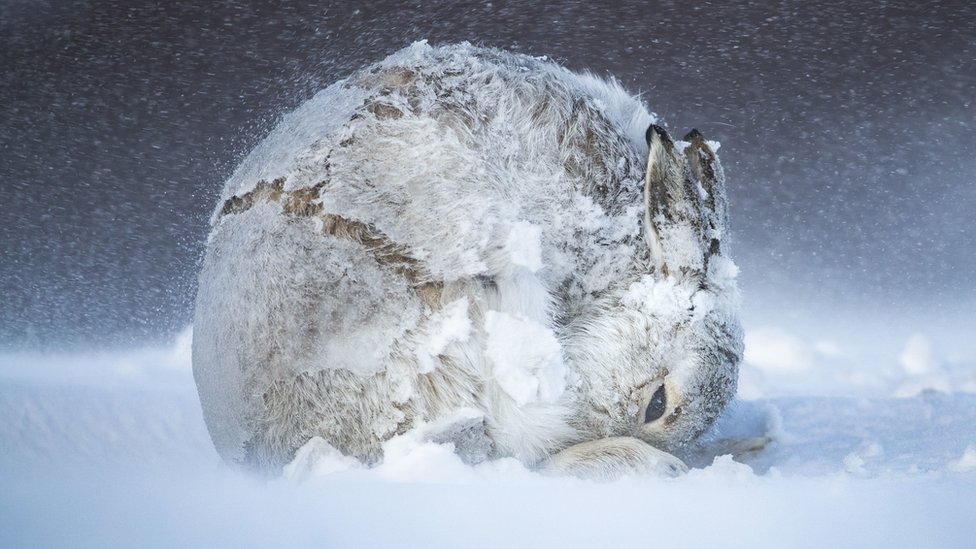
(917, 357)
(662, 298)
(524, 245)
(526, 358)
(780, 362)
(967, 461)
(110, 450)
(450, 325)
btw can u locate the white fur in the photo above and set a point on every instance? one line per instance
(498, 194)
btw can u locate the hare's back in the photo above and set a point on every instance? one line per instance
(335, 237)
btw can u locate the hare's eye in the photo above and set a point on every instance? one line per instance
(657, 406)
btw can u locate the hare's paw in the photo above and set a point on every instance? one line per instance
(685, 200)
(744, 449)
(611, 458)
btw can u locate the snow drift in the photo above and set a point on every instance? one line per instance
(110, 450)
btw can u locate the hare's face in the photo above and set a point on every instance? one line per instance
(679, 405)
(663, 379)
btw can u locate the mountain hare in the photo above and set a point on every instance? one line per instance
(480, 244)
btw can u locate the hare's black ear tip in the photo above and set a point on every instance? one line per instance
(661, 133)
(694, 135)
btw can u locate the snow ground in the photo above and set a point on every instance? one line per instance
(110, 449)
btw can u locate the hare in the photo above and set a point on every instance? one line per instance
(508, 254)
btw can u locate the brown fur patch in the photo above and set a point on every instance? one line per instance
(383, 111)
(262, 191)
(394, 77)
(304, 202)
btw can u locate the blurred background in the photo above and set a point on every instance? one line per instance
(848, 137)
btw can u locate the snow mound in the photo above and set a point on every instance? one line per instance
(778, 363)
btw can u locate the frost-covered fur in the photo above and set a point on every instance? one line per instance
(459, 232)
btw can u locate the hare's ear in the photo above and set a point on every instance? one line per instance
(684, 194)
(707, 171)
(663, 188)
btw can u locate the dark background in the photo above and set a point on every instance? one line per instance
(848, 130)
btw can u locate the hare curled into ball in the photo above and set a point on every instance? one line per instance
(481, 246)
